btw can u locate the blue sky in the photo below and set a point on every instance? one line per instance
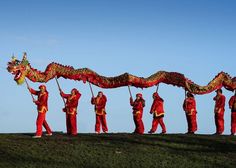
(196, 38)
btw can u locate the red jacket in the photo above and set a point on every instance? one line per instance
(232, 103)
(189, 106)
(42, 102)
(137, 106)
(219, 103)
(157, 107)
(100, 104)
(71, 102)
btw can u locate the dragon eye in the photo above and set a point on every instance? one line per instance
(17, 62)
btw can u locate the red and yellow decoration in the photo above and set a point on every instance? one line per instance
(22, 69)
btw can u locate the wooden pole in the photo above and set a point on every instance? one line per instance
(58, 85)
(130, 92)
(29, 88)
(157, 87)
(91, 89)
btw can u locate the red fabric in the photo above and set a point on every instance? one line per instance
(157, 106)
(232, 101)
(139, 127)
(71, 124)
(232, 104)
(137, 105)
(71, 102)
(41, 122)
(189, 106)
(155, 122)
(42, 102)
(101, 121)
(219, 113)
(71, 111)
(138, 114)
(192, 122)
(233, 123)
(219, 104)
(219, 122)
(100, 104)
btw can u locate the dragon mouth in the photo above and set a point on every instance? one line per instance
(18, 75)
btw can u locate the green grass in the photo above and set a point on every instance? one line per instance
(117, 150)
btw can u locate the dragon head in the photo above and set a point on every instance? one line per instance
(18, 68)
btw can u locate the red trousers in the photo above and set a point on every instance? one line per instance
(139, 127)
(192, 123)
(40, 123)
(155, 122)
(219, 122)
(233, 122)
(71, 124)
(101, 120)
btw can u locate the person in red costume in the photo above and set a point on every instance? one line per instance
(219, 111)
(71, 110)
(189, 107)
(42, 107)
(157, 110)
(232, 106)
(100, 103)
(138, 106)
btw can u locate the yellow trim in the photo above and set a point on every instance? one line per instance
(190, 112)
(217, 110)
(73, 111)
(157, 115)
(43, 109)
(136, 113)
(101, 113)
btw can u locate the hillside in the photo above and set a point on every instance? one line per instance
(117, 150)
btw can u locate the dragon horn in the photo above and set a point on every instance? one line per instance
(13, 58)
(24, 56)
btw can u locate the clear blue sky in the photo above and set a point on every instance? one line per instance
(196, 38)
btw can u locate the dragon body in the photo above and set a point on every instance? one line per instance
(22, 69)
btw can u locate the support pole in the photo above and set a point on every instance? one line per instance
(157, 87)
(58, 85)
(29, 88)
(91, 89)
(130, 92)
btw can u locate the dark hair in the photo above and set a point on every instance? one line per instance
(190, 94)
(219, 90)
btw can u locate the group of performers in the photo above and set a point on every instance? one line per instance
(157, 110)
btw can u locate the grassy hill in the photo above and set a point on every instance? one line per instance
(117, 150)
